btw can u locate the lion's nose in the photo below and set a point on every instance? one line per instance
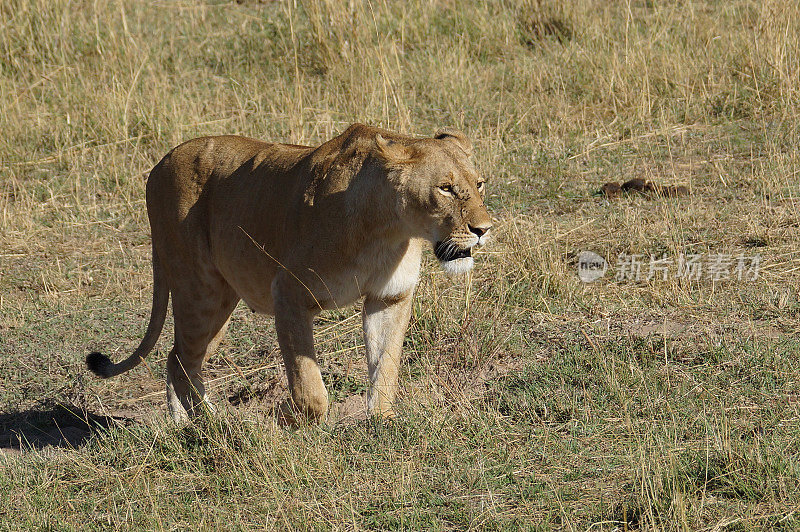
(479, 231)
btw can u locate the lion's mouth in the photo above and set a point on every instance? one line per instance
(446, 251)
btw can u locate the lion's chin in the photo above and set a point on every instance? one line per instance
(457, 266)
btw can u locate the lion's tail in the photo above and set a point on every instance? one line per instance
(102, 366)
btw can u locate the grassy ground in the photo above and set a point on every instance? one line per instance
(529, 399)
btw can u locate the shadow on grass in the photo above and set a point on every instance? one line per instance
(61, 426)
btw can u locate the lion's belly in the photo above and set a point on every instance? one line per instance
(247, 270)
(378, 272)
(260, 304)
(255, 291)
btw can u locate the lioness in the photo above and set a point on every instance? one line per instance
(293, 230)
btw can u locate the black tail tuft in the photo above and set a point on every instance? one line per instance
(99, 364)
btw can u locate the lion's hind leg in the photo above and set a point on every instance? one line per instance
(199, 328)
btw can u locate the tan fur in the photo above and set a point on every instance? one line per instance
(292, 230)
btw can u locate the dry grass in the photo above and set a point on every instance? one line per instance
(530, 398)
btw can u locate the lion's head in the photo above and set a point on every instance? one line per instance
(443, 194)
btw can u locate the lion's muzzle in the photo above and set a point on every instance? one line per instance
(446, 251)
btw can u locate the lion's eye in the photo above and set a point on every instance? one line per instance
(447, 190)
(480, 185)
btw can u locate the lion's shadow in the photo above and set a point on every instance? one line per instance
(60, 425)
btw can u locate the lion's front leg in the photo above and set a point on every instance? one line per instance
(294, 325)
(385, 323)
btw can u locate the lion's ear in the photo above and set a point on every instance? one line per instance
(391, 151)
(458, 137)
